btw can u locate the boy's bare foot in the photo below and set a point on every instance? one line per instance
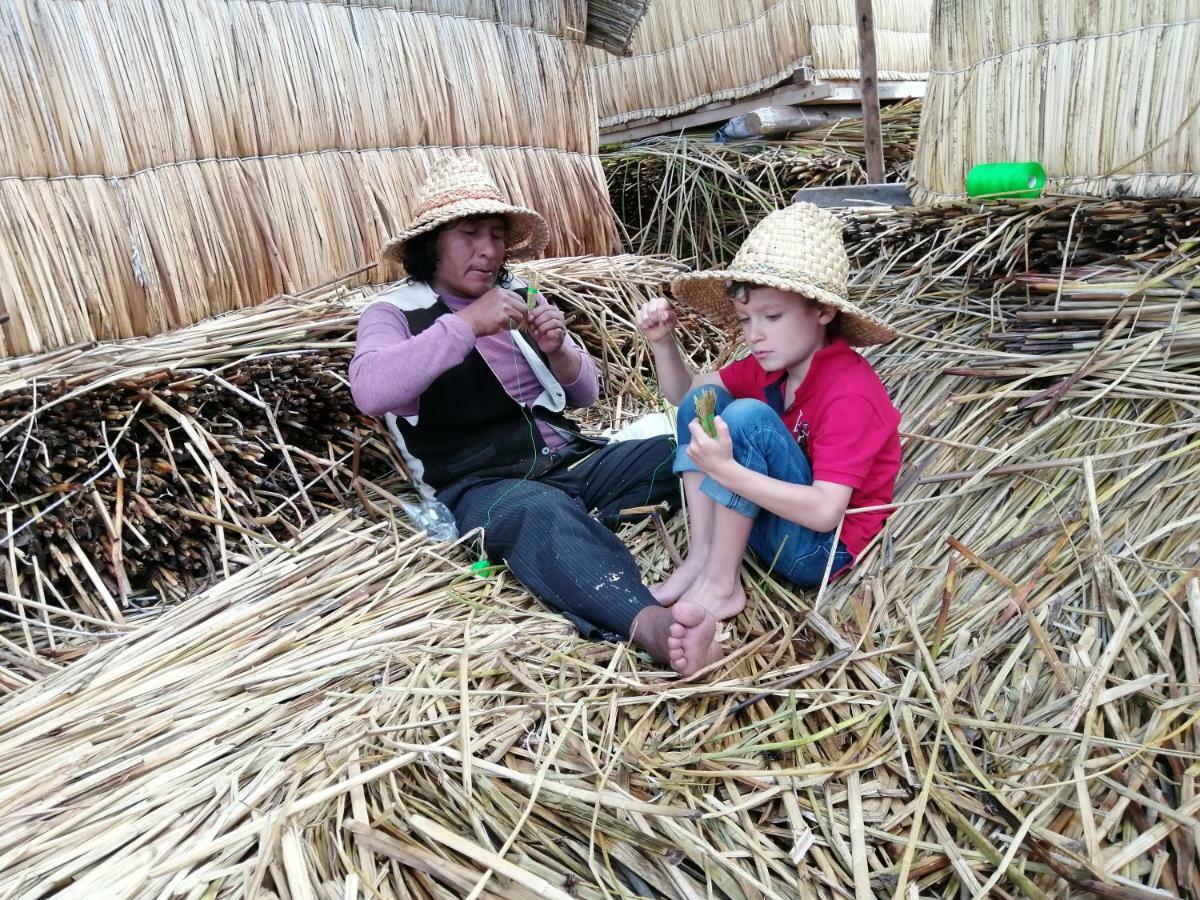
(667, 592)
(692, 642)
(723, 601)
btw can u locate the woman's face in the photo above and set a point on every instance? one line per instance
(469, 255)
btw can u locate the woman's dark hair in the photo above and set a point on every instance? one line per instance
(419, 255)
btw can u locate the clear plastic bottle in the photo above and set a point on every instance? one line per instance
(432, 517)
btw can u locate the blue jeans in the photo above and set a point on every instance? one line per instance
(762, 442)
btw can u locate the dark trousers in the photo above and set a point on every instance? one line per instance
(544, 531)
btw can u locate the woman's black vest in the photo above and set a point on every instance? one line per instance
(467, 424)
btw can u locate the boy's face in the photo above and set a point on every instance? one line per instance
(782, 329)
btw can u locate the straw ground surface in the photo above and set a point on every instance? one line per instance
(134, 473)
(162, 164)
(1090, 90)
(1003, 697)
(685, 55)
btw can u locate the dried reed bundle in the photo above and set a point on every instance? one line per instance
(134, 474)
(685, 55)
(1000, 699)
(998, 239)
(175, 265)
(611, 23)
(1092, 91)
(696, 200)
(288, 148)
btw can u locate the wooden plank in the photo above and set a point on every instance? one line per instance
(787, 96)
(847, 92)
(868, 82)
(856, 195)
(814, 94)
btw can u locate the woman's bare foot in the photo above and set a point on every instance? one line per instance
(692, 642)
(667, 592)
(724, 601)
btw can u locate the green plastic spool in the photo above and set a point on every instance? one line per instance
(1003, 181)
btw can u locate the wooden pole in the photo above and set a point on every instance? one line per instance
(867, 70)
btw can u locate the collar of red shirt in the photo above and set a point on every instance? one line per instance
(836, 349)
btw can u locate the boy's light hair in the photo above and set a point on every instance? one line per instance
(739, 290)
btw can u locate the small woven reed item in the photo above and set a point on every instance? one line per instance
(531, 292)
(706, 407)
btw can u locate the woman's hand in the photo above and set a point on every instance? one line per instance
(713, 456)
(495, 311)
(548, 327)
(657, 320)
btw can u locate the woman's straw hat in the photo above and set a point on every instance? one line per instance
(799, 249)
(458, 187)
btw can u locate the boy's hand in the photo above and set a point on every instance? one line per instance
(713, 456)
(548, 327)
(657, 320)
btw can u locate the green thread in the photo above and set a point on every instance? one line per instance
(532, 442)
(654, 475)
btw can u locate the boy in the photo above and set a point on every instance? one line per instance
(804, 430)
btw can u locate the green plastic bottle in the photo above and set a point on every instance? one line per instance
(1006, 181)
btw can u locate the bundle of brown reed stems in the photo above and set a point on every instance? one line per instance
(138, 472)
(696, 200)
(1001, 699)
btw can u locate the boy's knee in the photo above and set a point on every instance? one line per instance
(742, 416)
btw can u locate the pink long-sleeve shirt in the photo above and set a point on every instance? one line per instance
(391, 367)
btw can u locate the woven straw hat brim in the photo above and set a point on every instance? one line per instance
(706, 292)
(528, 233)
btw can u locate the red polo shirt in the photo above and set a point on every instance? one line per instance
(844, 421)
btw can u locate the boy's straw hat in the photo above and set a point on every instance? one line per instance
(459, 186)
(799, 249)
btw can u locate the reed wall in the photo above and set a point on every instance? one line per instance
(685, 55)
(164, 162)
(1101, 94)
(901, 38)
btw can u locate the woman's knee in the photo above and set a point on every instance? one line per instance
(527, 502)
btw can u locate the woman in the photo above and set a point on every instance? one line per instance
(474, 386)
